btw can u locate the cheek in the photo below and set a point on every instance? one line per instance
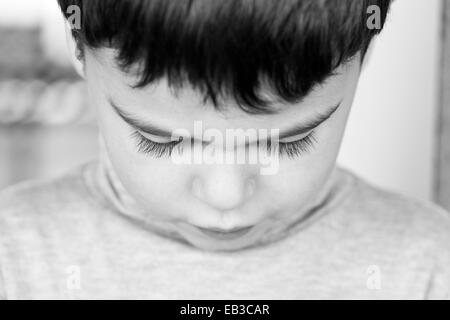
(297, 181)
(152, 181)
(301, 178)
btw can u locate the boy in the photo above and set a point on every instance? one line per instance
(174, 78)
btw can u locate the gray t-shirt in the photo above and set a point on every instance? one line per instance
(61, 239)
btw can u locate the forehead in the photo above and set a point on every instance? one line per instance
(162, 104)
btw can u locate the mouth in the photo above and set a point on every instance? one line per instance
(225, 234)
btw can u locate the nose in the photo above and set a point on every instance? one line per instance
(224, 187)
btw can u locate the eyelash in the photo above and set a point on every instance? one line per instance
(299, 147)
(158, 150)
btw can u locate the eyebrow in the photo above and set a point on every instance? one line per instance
(311, 124)
(152, 129)
(137, 123)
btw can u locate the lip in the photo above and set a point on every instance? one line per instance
(223, 234)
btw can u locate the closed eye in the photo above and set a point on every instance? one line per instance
(156, 149)
(298, 147)
(291, 149)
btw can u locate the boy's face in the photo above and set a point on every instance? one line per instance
(217, 196)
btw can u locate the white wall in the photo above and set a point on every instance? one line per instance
(24, 13)
(390, 136)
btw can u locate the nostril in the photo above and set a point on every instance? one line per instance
(223, 194)
(197, 189)
(250, 188)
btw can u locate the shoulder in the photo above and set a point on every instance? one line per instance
(407, 238)
(394, 212)
(399, 224)
(42, 201)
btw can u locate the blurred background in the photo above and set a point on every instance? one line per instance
(395, 137)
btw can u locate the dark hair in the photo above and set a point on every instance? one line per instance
(228, 48)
